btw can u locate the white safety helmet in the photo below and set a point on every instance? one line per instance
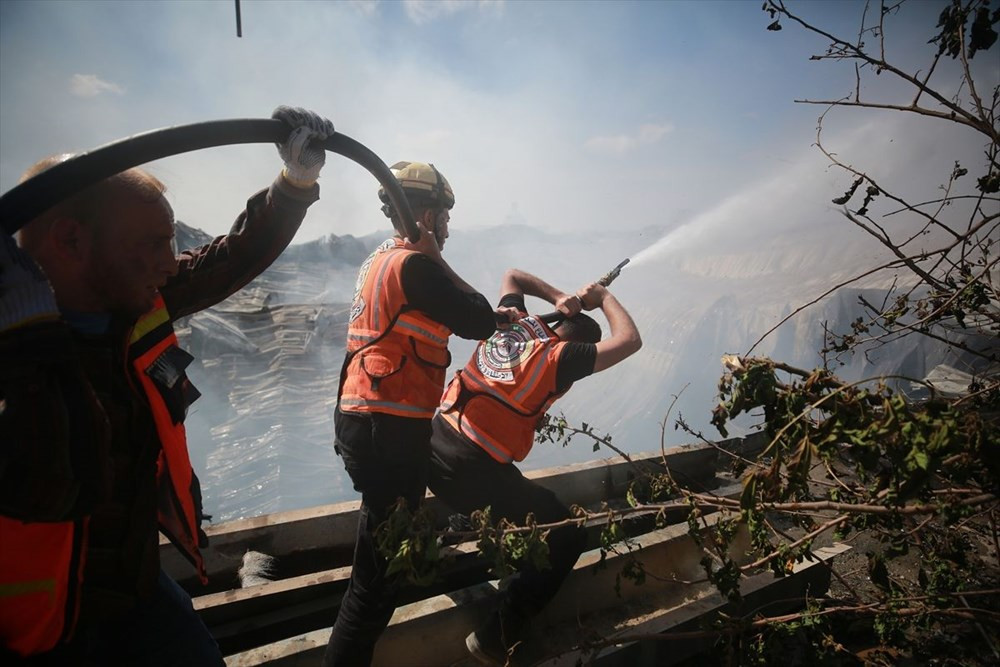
(423, 185)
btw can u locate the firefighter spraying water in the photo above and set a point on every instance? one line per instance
(486, 424)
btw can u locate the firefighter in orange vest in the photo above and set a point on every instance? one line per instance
(93, 395)
(487, 421)
(407, 301)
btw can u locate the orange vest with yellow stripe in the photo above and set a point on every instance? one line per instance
(42, 564)
(495, 401)
(396, 356)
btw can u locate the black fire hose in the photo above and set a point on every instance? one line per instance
(31, 198)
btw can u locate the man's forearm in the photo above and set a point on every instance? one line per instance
(621, 323)
(624, 340)
(517, 281)
(209, 274)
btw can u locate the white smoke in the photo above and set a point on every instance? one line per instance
(798, 197)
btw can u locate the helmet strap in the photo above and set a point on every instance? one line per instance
(438, 188)
(434, 213)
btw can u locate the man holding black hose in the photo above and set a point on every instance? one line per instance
(487, 422)
(93, 395)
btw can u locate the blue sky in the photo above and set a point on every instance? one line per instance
(559, 115)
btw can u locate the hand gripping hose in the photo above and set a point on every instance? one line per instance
(555, 317)
(26, 201)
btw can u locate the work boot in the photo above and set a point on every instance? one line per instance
(498, 641)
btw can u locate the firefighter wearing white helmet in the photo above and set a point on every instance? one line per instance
(420, 180)
(426, 188)
(407, 301)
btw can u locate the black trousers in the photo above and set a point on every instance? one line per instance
(387, 458)
(466, 478)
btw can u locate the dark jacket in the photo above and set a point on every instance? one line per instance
(78, 439)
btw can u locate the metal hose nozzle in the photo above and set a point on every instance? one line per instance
(605, 280)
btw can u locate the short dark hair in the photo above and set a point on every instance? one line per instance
(579, 329)
(417, 206)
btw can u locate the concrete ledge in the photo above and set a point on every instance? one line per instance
(322, 537)
(779, 594)
(432, 631)
(241, 619)
(433, 622)
(748, 446)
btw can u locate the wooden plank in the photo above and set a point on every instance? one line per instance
(219, 608)
(244, 618)
(429, 632)
(442, 623)
(322, 537)
(310, 530)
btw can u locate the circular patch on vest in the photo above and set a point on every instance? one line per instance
(507, 349)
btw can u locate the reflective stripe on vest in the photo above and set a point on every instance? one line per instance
(510, 380)
(40, 577)
(475, 435)
(42, 564)
(151, 337)
(396, 357)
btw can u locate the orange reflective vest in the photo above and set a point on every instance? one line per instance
(396, 356)
(495, 401)
(42, 564)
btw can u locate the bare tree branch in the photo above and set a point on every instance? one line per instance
(852, 51)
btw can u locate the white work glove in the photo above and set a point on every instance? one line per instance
(301, 151)
(25, 294)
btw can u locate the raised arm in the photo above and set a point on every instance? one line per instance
(207, 275)
(516, 281)
(625, 340)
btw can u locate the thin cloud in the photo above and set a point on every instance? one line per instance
(90, 85)
(365, 7)
(424, 11)
(650, 133)
(619, 144)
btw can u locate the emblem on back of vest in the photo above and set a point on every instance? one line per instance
(499, 356)
(358, 302)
